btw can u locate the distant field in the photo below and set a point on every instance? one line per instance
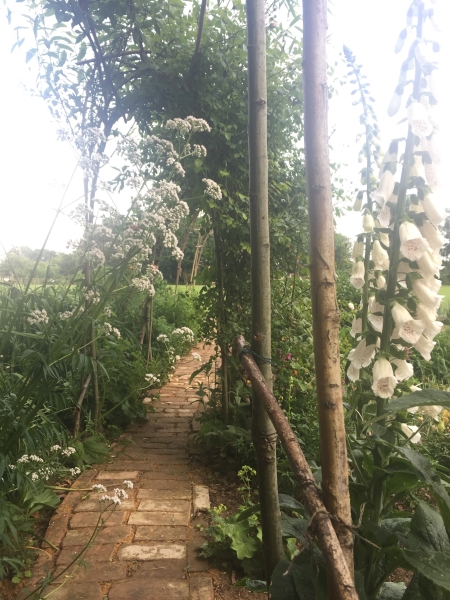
(187, 288)
(445, 291)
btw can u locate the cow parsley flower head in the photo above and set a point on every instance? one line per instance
(212, 189)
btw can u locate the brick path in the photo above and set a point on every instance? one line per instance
(146, 550)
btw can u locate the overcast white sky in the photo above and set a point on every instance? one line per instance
(36, 169)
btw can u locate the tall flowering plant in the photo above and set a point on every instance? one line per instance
(396, 266)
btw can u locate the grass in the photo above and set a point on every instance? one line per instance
(445, 291)
(196, 288)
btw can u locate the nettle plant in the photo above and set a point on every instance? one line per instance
(396, 267)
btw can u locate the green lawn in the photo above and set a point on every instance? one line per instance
(445, 291)
(187, 288)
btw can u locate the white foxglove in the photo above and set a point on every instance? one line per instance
(427, 265)
(432, 209)
(362, 355)
(424, 347)
(417, 116)
(358, 249)
(353, 373)
(413, 245)
(368, 223)
(394, 104)
(409, 430)
(357, 277)
(385, 216)
(376, 321)
(432, 174)
(384, 381)
(385, 188)
(432, 411)
(380, 257)
(374, 306)
(409, 329)
(434, 285)
(356, 327)
(404, 369)
(381, 282)
(401, 41)
(428, 316)
(384, 239)
(424, 294)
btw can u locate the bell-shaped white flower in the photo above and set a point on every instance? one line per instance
(432, 411)
(427, 265)
(358, 203)
(424, 347)
(434, 212)
(417, 116)
(385, 188)
(384, 239)
(433, 176)
(434, 285)
(362, 355)
(431, 234)
(394, 104)
(368, 223)
(376, 321)
(381, 282)
(380, 257)
(357, 277)
(413, 245)
(409, 329)
(385, 216)
(384, 381)
(358, 249)
(353, 373)
(409, 430)
(374, 306)
(404, 369)
(425, 295)
(401, 41)
(356, 327)
(428, 316)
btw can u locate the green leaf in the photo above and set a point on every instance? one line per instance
(421, 398)
(282, 586)
(248, 512)
(433, 565)
(391, 591)
(289, 503)
(427, 531)
(245, 546)
(256, 585)
(291, 527)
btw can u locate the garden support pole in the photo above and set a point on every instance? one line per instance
(320, 522)
(263, 432)
(333, 450)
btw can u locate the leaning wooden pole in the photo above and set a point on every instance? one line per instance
(321, 521)
(263, 432)
(325, 311)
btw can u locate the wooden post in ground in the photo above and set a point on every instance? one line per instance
(333, 449)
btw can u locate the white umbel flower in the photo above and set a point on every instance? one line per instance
(432, 209)
(380, 257)
(362, 355)
(404, 369)
(409, 329)
(409, 430)
(368, 223)
(433, 237)
(353, 373)
(413, 245)
(428, 316)
(417, 116)
(356, 327)
(357, 277)
(425, 295)
(384, 381)
(385, 188)
(424, 347)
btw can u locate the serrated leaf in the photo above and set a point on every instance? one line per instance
(244, 546)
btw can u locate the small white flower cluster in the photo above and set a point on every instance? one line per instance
(38, 316)
(96, 256)
(109, 329)
(75, 471)
(199, 151)
(108, 312)
(68, 451)
(66, 314)
(55, 448)
(31, 458)
(196, 356)
(119, 494)
(178, 254)
(212, 189)
(151, 379)
(163, 338)
(143, 284)
(187, 125)
(415, 323)
(98, 487)
(185, 333)
(91, 296)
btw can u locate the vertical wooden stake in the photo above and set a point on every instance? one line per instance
(333, 448)
(264, 435)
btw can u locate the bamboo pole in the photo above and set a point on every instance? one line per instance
(263, 432)
(321, 520)
(325, 310)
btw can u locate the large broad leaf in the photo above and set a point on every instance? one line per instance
(289, 503)
(424, 471)
(433, 565)
(295, 528)
(421, 398)
(245, 546)
(399, 526)
(34, 500)
(427, 531)
(391, 591)
(282, 586)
